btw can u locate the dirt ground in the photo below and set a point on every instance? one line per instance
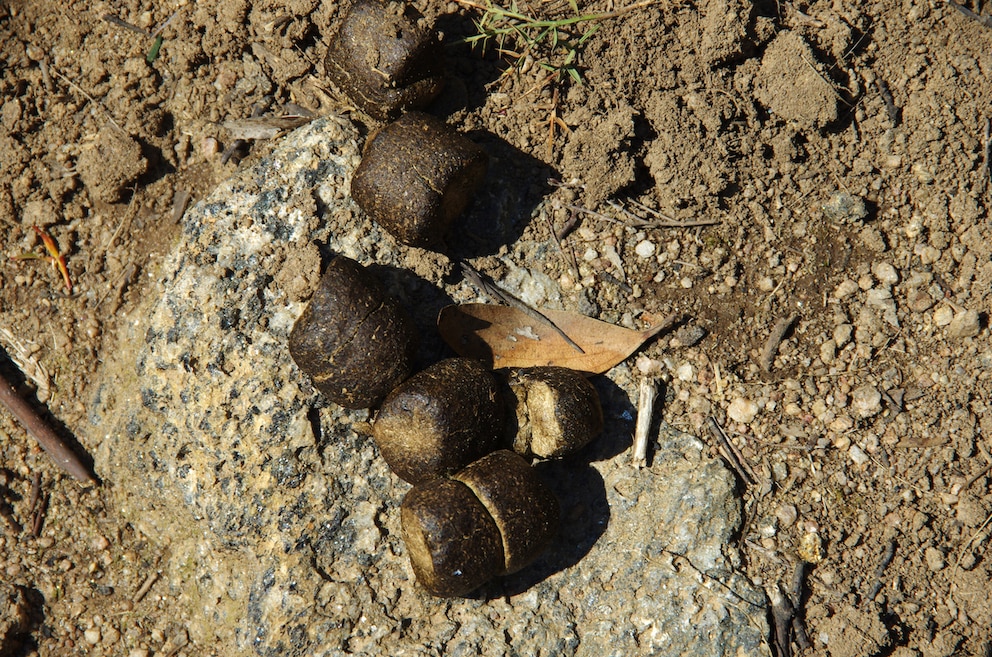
(839, 152)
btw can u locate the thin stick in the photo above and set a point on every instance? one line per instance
(667, 222)
(825, 80)
(90, 98)
(774, 340)
(126, 218)
(493, 290)
(645, 409)
(799, 632)
(38, 519)
(145, 587)
(569, 256)
(782, 614)
(43, 433)
(971, 540)
(890, 103)
(890, 552)
(730, 453)
(110, 18)
(567, 227)
(35, 491)
(984, 20)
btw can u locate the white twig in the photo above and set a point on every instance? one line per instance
(645, 409)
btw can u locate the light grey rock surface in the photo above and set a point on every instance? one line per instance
(282, 522)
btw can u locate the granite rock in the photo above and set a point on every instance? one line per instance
(282, 521)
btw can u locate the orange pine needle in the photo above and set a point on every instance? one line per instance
(57, 258)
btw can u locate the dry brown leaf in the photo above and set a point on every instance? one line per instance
(506, 337)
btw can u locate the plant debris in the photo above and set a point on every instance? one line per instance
(508, 337)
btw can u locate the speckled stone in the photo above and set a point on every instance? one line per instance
(281, 522)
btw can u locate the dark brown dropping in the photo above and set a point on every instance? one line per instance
(417, 175)
(558, 411)
(352, 340)
(494, 517)
(524, 508)
(440, 420)
(453, 542)
(384, 60)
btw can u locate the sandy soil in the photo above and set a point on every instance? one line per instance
(840, 153)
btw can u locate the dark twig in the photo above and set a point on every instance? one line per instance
(38, 505)
(731, 454)
(782, 615)
(890, 103)
(569, 225)
(42, 432)
(489, 287)
(35, 492)
(110, 18)
(774, 340)
(890, 552)
(798, 593)
(38, 518)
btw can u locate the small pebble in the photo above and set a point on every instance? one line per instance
(828, 351)
(943, 316)
(100, 543)
(920, 301)
(684, 372)
(914, 227)
(648, 366)
(768, 526)
(928, 254)
(970, 511)
(845, 289)
(966, 324)
(644, 249)
(885, 273)
(841, 424)
(842, 443)
(45, 542)
(842, 334)
(209, 147)
(742, 410)
(810, 548)
(842, 206)
(690, 335)
(111, 636)
(787, 515)
(138, 652)
(92, 636)
(935, 559)
(857, 455)
(866, 401)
